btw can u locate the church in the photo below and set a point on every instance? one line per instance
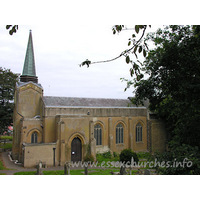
(56, 130)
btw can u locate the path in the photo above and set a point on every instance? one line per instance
(13, 168)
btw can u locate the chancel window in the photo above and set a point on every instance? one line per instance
(139, 132)
(119, 134)
(98, 134)
(34, 138)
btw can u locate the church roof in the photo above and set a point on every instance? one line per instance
(29, 63)
(50, 101)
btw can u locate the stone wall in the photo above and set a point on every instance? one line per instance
(35, 152)
(158, 135)
(27, 105)
(96, 112)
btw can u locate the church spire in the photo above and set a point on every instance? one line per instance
(29, 73)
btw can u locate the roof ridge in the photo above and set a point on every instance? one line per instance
(85, 97)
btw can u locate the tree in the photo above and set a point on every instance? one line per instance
(173, 89)
(126, 156)
(7, 85)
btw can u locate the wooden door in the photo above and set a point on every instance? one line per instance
(76, 150)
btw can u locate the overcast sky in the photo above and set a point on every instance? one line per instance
(58, 52)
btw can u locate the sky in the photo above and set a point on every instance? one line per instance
(58, 52)
(59, 49)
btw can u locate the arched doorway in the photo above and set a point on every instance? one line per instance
(76, 150)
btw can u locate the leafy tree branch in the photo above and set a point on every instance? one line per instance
(12, 29)
(136, 46)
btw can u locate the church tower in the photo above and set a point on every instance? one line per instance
(28, 109)
(29, 72)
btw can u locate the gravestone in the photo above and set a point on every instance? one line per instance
(67, 168)
(122, 170)
(130, 171)
(39, 168)
(147, 172)
(86, 170)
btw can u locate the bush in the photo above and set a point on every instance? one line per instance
(144, 155)
(88, 158)
(107, 155)
(180, 160)
(115, 154)
(127, 154)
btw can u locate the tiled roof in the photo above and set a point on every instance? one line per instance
(85, 102)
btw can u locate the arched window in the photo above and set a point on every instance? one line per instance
(98, 134)
(119, 133)
(34, 137)
(139, 132)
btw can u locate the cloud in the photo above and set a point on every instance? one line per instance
(58, 52)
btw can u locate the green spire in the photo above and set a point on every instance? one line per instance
(29, 64)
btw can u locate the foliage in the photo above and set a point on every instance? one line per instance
(7, 85)
(115, 154)
(105, 157)
(144, 155)
(88, 158)
(176, 58)
(13, 28)
(183, 159)
(173, 87)
(126, 155)
(107, 154)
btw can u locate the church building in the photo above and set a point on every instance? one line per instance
(56, 130)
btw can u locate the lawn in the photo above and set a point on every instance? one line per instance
(6, 137)
(72, 172)
(1, 166)
(6, 146)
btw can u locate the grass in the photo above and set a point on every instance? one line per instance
(2, 167)
(6, 146)
(6, 137)
(2, 173)
(25, 173)
(73, 172)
